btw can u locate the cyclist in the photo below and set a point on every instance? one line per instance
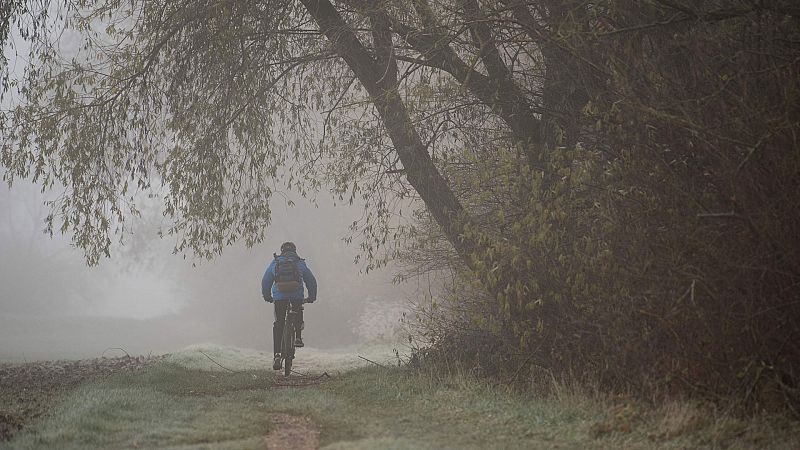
(282, 284)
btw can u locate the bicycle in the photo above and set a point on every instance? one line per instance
(289, 334)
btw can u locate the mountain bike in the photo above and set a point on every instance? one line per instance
(289, 333)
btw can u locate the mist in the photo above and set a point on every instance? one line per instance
(146, 299)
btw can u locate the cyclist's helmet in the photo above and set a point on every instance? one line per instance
(288, 247)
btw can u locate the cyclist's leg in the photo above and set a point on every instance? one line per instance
(277, 325)
(297, 315)
(298, 307)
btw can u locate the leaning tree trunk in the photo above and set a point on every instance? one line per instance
(381, 84)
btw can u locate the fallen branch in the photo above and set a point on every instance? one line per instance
(115, 348)
(212, 360)
(725, 215)
(373, 362)
(305, 375)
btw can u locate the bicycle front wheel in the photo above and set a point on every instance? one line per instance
(288, 347)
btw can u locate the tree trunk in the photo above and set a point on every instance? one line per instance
(421, 173)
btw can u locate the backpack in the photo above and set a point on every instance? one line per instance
(287, 273)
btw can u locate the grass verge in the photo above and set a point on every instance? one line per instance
(176, 406)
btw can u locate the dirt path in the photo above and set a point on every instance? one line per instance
(295, 432)
(28, 390)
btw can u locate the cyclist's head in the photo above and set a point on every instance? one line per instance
(288, 247)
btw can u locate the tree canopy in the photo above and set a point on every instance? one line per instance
(589, 163)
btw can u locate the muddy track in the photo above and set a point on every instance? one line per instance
(28, 390)
(295, 432)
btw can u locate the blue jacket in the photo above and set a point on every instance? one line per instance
(268, 289)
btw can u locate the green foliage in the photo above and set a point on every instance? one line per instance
(194, 104)
(656, 253)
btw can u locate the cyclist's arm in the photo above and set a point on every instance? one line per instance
(267, 280)
(311, 282)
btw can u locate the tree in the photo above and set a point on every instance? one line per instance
(586, 161)
(117, 77)
(126, 126)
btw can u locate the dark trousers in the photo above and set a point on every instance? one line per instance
(281, 306)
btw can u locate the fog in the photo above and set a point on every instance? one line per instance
(146, 299)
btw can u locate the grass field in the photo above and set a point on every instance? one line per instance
(188, 402)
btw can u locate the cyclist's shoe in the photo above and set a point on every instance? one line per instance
(298, 342)
(276, 363)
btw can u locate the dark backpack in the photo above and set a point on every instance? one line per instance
(287, 273)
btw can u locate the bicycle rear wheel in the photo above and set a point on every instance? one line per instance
(288, 346)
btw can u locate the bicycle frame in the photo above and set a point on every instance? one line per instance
(289, 333)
